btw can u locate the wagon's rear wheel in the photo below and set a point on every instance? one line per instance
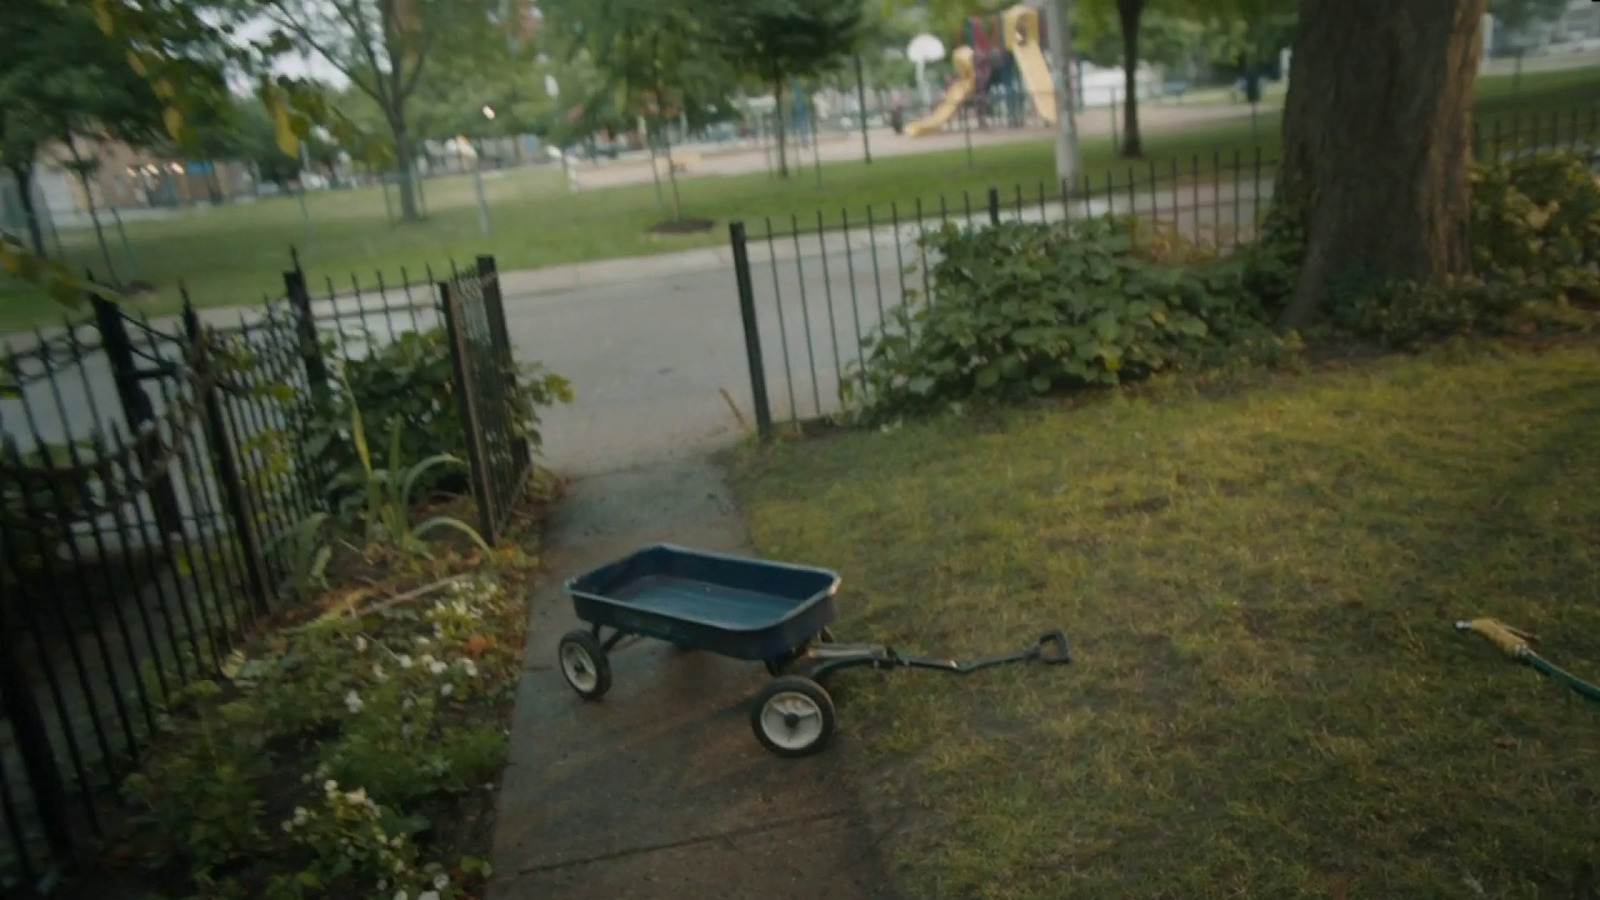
(584, 664)
(793, 717)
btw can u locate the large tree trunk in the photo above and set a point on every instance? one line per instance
(406, 160)
(23, 175)
(1377, 140)
(1129, 11)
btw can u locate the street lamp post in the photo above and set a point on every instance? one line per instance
(477, 177)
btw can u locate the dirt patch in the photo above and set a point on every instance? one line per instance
(683, 226)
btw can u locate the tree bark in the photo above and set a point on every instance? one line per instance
(1130, 11)
(861, 111)
(783, 148)
(406, 160)
(23, 175)
(1377, 141)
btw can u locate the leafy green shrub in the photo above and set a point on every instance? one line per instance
(1536, 221)
(200, 790)
(1025, 309)
(1535, 241)
(410, 381)
(1403, 313)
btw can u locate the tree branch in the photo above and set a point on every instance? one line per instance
(416, 73)
(374, 89)
(358, 24)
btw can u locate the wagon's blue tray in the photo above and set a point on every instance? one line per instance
(736, 606)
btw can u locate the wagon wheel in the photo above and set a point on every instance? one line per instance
(584, 664)
(793, 717)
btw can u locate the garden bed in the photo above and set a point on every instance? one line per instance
(1260, 575)
(352, 748)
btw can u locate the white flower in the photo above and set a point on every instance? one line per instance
(361, 644)
(357, 796)
(407, 703)
(436, 667)
(288, 826)
(378, 673)
(399, 866)
(405, 730)
(404, 661)
(439, 882)
(330, 786)
(428, 895)
(352, 702)
(301, 814)
(400, 895)
(447, 690)
(383, 883)
(397, 840)
(422, 641)
(470, 667)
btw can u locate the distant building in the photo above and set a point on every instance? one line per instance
(125, 178)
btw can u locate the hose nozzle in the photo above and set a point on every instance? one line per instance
(1514, 642)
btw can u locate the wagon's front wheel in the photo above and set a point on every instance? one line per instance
(793, 716)
(584, 664)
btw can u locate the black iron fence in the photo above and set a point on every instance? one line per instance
(812, 288)
(152, 478)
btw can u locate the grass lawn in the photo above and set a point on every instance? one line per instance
(232, 255)
(1268, 699)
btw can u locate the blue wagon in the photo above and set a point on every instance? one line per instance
(770, 612)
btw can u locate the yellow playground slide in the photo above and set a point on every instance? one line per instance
(966, 82)
(1022, 39)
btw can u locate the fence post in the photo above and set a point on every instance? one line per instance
(994, 206)
(752, 331)
(21, 708)
(136, 406)
(235, 500)
(505, 358)
(294, 286)
(471, 424)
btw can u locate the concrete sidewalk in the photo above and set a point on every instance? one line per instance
(660, 790)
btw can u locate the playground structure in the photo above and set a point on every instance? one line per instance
(1009, 65)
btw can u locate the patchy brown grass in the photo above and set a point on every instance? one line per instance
(1268, 698)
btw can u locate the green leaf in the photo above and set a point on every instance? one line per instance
(453, 524)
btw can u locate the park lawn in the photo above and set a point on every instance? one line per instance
(233, 255)
(1267, 698)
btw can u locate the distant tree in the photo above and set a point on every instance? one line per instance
(384, 47)
(1094, 16)
(656, 58)
(774, 40)
(64, 82)
(1520, 18)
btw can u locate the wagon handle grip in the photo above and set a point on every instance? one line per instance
(1053, 649)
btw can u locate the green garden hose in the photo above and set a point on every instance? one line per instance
(1515, 643)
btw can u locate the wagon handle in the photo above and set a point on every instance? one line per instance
(1052, 648)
